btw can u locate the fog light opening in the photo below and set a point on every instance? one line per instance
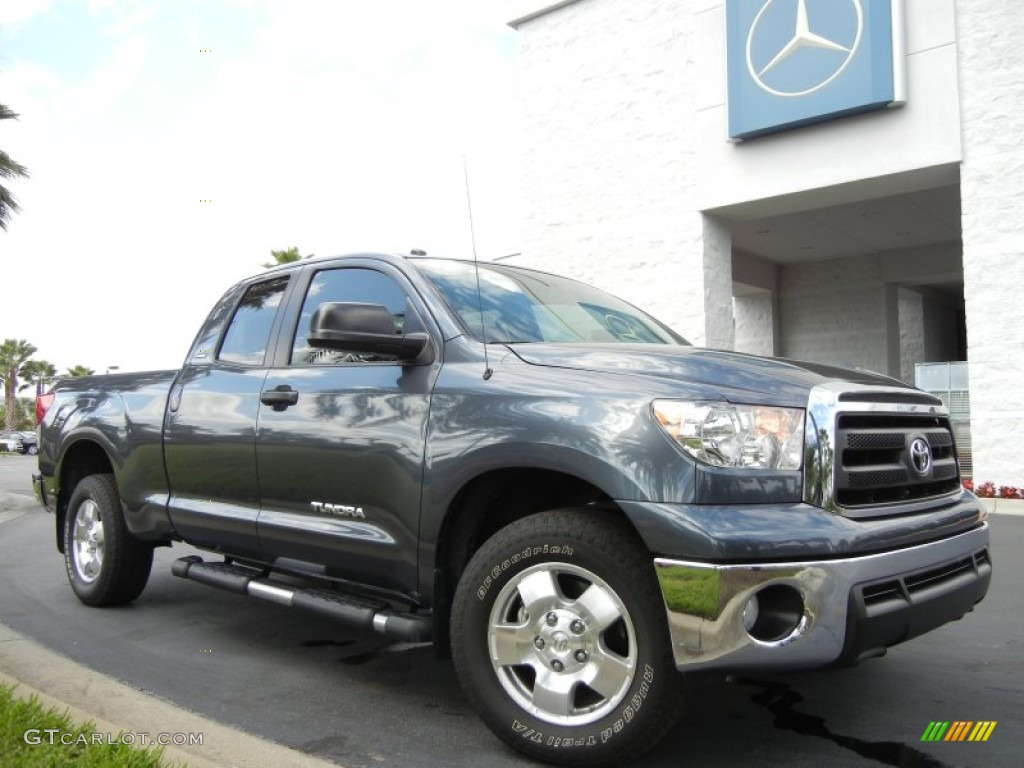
(773, 613)
(750, 613)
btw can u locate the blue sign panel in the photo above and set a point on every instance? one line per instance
(794, 62)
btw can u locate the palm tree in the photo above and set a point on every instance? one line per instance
(37, 373)
(286, 256)
(13, 354)
(76, 371)
(9, 169)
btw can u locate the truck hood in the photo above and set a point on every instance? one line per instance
(732, 374)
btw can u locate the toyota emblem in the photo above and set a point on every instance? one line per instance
(920, 456)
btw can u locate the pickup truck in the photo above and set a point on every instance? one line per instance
(539, 478)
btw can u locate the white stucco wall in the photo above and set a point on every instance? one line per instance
(836, 312)
(992, 178)
(875, 312)
(609, 163)
(628, 175)
(625, 146)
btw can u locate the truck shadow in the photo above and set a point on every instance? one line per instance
(750, 720)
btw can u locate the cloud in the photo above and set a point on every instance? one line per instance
(13, 14)
(333, 127)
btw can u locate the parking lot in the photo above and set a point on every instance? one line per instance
(303, 682)
(16, 473)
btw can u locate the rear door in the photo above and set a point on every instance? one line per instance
(341, 468)
(210, 429)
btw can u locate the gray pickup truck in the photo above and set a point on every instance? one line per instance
(536, 476)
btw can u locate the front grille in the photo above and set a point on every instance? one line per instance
(920, 398)
(874, 462)
(883, 591)
(905, 588)
(936, 576)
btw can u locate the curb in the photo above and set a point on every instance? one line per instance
(16, 504)
(1014, 507)
(115, 708)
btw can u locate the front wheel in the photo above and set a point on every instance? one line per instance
(106, 565)
(559, 638)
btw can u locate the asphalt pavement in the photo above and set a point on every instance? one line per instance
(278, 679)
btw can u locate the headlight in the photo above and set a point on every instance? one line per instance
(726, 435)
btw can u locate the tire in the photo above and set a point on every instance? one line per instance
(105, 564)
(32, 450)
(560, 640)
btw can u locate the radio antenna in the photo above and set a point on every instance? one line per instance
(476, 266)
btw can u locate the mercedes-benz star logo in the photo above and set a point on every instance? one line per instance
(920, 455)
(803, 38)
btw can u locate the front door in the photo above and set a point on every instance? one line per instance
(341, 467)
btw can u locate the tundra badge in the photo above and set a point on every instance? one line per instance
(341, 510)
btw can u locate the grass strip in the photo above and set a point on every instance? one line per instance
(25, 742)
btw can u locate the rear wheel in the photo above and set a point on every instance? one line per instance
(105, 564)
(559, 638)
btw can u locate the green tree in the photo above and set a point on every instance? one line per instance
(9, 169)
(24, 414)
(76, 371)
(13, 355)
(37, 373)
(286, 256)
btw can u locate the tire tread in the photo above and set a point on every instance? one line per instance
(127, 560)
(609, 534)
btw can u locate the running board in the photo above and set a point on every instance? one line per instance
(358, 612)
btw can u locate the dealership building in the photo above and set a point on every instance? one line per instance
(829, 180)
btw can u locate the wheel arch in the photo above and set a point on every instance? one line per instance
(510, 494)
(82, 458)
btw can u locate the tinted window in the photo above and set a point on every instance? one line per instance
(249, 333)
(361, 286)
(521, 306)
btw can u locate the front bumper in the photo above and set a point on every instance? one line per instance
(817, 613)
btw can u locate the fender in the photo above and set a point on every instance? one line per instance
(126, 429)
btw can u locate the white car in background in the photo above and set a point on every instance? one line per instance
(29, 442)
(12, 442)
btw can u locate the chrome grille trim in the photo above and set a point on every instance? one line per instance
(825, 475)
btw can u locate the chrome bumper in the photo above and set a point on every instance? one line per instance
(828, 611)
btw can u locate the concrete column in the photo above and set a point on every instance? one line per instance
(912, 334)
(756, 304)
(892, 331)
(719, 324)
(992, 90)
(755, 323)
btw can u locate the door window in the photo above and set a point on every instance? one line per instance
(248, 335)
(357, 285)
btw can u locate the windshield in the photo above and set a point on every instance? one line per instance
(521, 305)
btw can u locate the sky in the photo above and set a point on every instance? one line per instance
(172, 144)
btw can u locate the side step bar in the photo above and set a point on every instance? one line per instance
(358, 612)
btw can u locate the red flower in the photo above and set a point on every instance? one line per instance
(1009, 492)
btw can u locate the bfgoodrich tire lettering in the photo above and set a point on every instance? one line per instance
(559, 639)
(105, 564)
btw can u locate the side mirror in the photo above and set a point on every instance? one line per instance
(365, 328)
